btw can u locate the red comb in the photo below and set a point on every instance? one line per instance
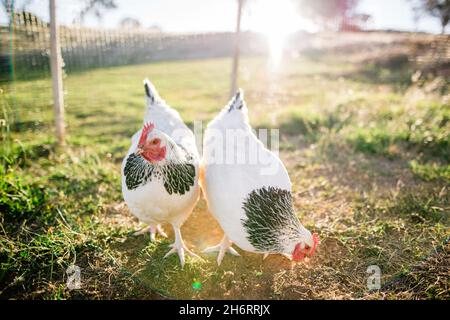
(316, 242)
(148, 127)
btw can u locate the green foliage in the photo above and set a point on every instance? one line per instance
(372, 141)
(423, 129)
(430, 171)
(429, 131)
(435, 8)
(21, 202)
(22, 155)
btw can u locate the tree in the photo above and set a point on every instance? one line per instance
(89, 6)
(332, 14)
(8, 5)
(436, 8)
(97, 7)
(11, 6)
(130, 23)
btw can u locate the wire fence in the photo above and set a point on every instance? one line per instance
(26, 47)
(25, 55)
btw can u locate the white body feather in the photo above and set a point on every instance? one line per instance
(226, 185)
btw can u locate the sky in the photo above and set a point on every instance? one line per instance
(186, 16)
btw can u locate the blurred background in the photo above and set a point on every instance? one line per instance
(113, 33)
(104, 33)
(358, 88)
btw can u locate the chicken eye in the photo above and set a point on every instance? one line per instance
(154, 141)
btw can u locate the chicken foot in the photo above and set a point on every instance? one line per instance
(223, 247)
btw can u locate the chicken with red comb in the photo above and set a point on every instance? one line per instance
(160, 172)
(248, 190)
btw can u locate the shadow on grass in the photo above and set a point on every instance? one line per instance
(29, 126)
(22, 155)
(245, 277)
(311, 127)
(395, 70)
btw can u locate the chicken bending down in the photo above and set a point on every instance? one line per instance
(160, 171)
(248, 190)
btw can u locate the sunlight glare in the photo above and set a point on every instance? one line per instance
(276, 20)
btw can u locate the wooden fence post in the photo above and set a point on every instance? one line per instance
(56, 69)
(234, 71)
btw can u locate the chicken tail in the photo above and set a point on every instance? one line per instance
(150, 92)
(237, 102)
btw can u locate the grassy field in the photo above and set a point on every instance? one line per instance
(367, 150)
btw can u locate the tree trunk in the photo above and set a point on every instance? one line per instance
(56, 69)
(234, 71)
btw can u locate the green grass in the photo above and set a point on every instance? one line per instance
(430, 171)
(369, 168)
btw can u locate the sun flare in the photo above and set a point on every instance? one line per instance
(276, 20)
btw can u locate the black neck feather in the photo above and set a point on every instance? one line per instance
(177, 177)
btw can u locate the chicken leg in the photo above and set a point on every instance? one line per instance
(179, 246)
(223, 247)
(153, 231)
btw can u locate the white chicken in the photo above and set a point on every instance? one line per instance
(160, 171)
(248, 190)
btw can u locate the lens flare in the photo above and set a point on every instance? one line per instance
(276, 20)
(197, 285)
